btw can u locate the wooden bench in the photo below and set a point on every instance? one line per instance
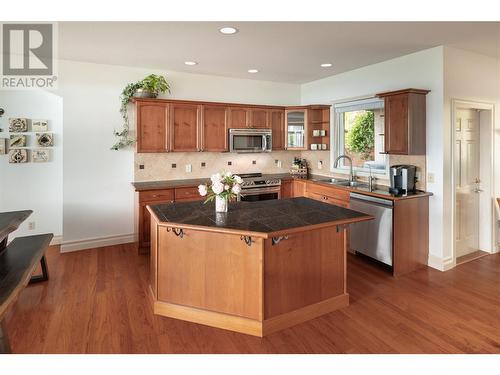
(18, 261)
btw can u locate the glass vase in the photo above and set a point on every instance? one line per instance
(221, 204)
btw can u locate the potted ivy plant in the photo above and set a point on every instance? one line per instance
(148, 87)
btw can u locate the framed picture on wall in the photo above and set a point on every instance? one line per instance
(39, 125)
(40, 156)
(18, 125)
(17, 140)
(18, 156)
(3, 146)
(44, 139)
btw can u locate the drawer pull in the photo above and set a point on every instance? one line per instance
(247, 239)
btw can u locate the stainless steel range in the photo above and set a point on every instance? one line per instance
(257, 188)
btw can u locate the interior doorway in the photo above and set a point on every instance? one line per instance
(473, 180)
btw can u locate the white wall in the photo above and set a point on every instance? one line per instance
(422, 70)
(472, 77)
(33, 186)
(98, 198)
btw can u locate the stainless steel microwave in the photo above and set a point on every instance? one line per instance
(250, 140)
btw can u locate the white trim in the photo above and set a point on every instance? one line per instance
(441, 264)
(455, 104)
(336, 145)
(56, 240)
(90, 243)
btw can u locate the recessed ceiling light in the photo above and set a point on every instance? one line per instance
(191, 63)
(253, 71)
(326, 65)
(228, 30)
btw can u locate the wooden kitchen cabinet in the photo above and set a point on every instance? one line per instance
(185, 127)
(318, 127)
(258, 118)
(238, 118)
(144, 217)
(296, 128)
(404, 121)
(152, 127)
(214, 128)
(286, 189)
(277, 125)
(299, 188)
(327, 194)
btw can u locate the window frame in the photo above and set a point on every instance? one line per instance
(337, 140)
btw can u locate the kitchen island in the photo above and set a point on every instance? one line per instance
(259, 268)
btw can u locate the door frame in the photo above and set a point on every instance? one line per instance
(461, 103)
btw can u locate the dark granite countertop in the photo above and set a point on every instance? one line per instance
(168, 184)
(380, 191)
(264, 219)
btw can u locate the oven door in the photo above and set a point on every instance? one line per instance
(259, 194)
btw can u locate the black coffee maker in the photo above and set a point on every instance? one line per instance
(403, 179)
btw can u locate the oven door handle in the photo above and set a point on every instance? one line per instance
(264, 143)
(259, 191)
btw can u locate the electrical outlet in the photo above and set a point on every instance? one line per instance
(320, 164)
(279, 164)
(31, 225)
(418, 176)
(430, 178)
(189, 168)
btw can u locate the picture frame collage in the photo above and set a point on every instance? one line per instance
(17, 145)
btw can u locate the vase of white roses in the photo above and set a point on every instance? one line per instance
(224, 186)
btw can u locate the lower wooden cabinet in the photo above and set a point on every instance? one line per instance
(286, 189)
(147, 197)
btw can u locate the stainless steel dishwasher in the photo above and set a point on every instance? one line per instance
(374, 237)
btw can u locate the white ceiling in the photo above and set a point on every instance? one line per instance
(282, 51)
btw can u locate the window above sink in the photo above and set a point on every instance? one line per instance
(358, 130)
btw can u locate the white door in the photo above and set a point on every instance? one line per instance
(467, 181)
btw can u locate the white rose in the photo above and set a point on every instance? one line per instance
(238, 179)
(202, 189)
(216, 178)
(226, 187)
(236, 189)
(217, 187)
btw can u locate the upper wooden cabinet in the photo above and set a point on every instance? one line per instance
(277, 124)
(214, 128)
(185, 127)
(296, 129)
(318, 127)
(258, 118)
(404, 121)
(189, 126)
(152, 129)
(238, 118)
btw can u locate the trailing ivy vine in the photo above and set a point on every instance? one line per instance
(153, 83)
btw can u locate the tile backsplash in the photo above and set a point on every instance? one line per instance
(156, 167)
(159, 166)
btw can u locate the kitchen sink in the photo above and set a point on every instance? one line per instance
(354, 184)
(341, 182)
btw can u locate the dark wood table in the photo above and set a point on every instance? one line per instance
(18, 260)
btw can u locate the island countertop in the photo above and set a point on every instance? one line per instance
(263, 219)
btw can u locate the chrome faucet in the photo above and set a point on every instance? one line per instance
(336, 164)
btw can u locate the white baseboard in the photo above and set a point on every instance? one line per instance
(441, 264)
(56, 240)
(90, 243)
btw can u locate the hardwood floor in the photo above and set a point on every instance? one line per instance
(472, 256)
(97, 301)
